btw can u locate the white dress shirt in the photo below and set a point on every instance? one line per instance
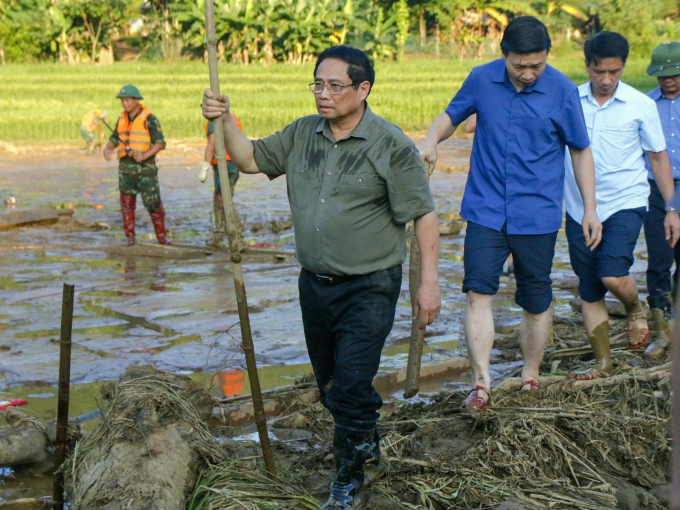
(620, 130)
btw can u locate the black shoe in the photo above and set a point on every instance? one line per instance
(350, 449)
(343, 497)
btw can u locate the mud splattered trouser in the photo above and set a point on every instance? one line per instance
(143, 180)
(346, 325)
(660, 256)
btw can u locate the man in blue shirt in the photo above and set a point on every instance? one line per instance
(527, 112)
(665, 65)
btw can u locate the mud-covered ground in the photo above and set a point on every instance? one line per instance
(180, 315)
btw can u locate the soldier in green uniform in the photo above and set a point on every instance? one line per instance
(137, 138)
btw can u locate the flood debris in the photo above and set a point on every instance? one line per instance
(150, 447)
(69, 224)
(239, 410)
(601, 444)
(32, 217)
(29, 441)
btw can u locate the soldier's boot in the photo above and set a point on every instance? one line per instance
(350, 450)
(664, 323)
(158, 219)
(127, 207)
(376, 466)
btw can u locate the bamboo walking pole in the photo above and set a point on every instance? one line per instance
(415, 349)
(239, 286)
(64, 386)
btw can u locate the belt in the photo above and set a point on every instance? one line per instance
(334, 279)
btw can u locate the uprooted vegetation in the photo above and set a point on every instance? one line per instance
(602, 444)
(149, 448)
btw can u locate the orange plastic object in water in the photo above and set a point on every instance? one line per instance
(4, 404)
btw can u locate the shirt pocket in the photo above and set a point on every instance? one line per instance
(617, 143)
(536, 137)
(303, 187)
(358, 195)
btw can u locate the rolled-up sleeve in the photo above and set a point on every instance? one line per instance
(463, 103)
(571, 123)
(155, 131)
(651, 131)
(407, 185)
(271, 153)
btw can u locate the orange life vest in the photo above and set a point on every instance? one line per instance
(238, 125)
(133, 136)
(88, 121)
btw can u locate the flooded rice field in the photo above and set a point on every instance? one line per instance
(180, 315)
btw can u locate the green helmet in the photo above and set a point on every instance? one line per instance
(130, 91)
(665, 60)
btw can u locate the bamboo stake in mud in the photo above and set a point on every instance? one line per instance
(239, 286)
(64, 386)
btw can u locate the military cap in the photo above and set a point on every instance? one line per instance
(665, 60)
(130, 91)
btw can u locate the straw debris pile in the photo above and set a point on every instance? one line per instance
(150, 447)
(571, 445)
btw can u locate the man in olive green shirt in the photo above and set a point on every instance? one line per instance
(354, 180)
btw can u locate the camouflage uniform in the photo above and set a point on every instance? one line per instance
(141, 178)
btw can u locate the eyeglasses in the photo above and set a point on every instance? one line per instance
(333, 88)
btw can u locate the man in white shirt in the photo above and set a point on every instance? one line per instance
(623, 125)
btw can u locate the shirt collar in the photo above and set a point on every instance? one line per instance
(656, 94)
(622, 93)
(500, 75)
(361, 131)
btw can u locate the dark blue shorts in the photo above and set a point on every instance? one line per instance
(613, 256)
(486, 250)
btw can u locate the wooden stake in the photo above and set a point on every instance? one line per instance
(64, 386)
(415, 350)
(239, 286)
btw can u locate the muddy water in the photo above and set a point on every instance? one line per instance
(181, 316)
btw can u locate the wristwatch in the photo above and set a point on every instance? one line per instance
(669, 208)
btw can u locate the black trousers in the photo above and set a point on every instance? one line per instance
(346, 325)
(660, 256)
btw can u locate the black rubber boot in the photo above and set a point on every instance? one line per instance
(350, 449)
(375, 467)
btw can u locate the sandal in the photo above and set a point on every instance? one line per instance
(533, 385)
(474, 402)
(638, 338)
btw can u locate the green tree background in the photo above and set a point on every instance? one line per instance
(81, 31)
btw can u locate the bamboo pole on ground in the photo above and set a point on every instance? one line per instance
(239, 286)
(64, 386)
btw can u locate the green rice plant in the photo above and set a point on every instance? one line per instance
(45, 102)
